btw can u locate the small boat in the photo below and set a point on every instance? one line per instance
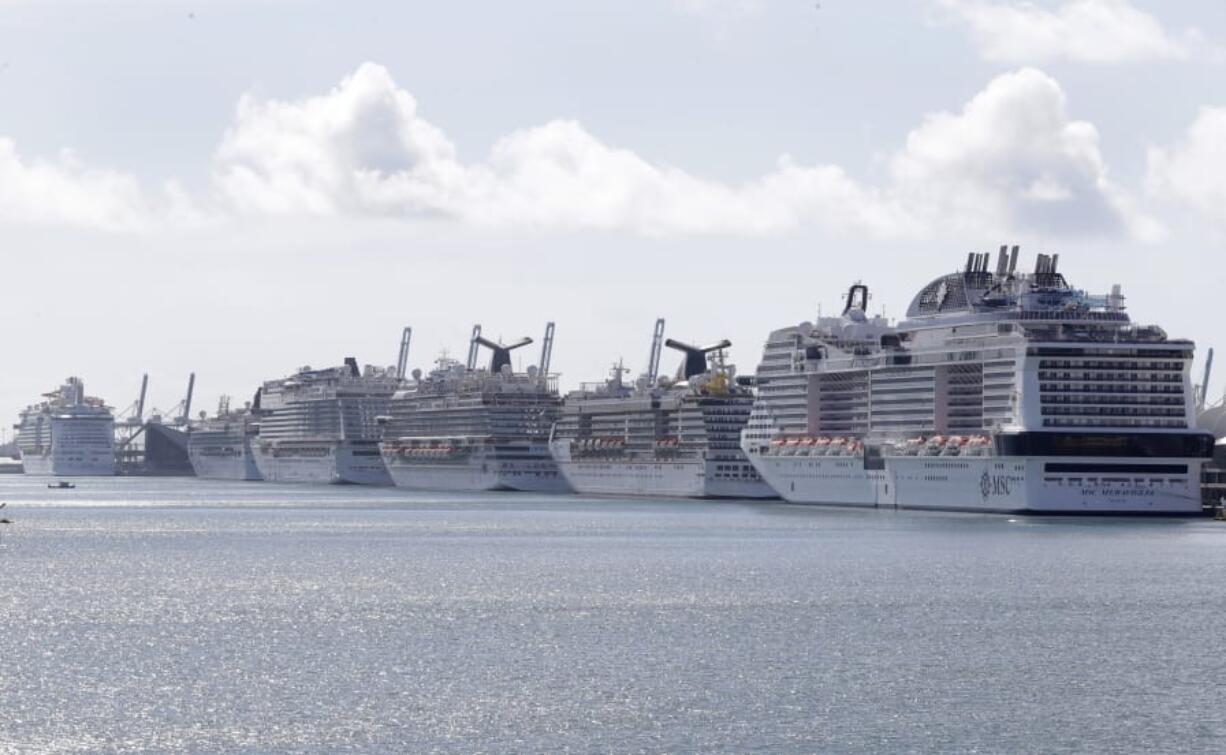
(61, 485)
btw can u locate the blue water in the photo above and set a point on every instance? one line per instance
(184, 615)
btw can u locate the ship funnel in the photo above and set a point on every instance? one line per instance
(857, 298)
(547, 350)
(696, 356)
(352, 364)
(653, 358)
(502, 354)
(402, 359)
(1002, 261)
(472, 348)
(1013, 260)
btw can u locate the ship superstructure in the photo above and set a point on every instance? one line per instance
(67, 434)
(322, 426)
(661, 437)
(220, 447)
(1000, 391)
(465, 428)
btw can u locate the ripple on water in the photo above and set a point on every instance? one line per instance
(181, 615)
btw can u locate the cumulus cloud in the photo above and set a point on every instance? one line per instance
(1011, 159)
(1193, 170)
(1092, 31)
(65, 192)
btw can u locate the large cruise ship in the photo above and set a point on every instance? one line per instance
(660, 437)
(1000, 391)
(323, 425)
(68, 434)
(220, 446)
(467, 428)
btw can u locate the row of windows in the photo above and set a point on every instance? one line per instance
(1123, 422)
(1111, 388)
(1108, 364)
(1112, 411)
(1140, 399)
(1098, 377)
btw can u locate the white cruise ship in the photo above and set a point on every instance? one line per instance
(660, 437)
(1001, 391)
(219, 447)
(68, 434)
(322, 426)
(467, 428)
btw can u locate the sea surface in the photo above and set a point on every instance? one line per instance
(144, 615)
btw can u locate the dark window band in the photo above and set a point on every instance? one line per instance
(1136, 445)
(1164, 469)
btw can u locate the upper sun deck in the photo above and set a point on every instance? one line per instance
(1044, 296)
(453, 378)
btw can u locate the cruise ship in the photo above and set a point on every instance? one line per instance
(322, 426)
(661, 437)
(1001, 391)
(68, 434)
(466, 428)
(219, 447)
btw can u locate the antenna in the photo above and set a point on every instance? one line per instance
(472, 348)
(696, 356)
(546, 350)
(402, 361)
(653, 359)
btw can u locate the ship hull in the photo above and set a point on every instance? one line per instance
(341, 462)
(232, 465)
(1031, 485)
(53, 465)
(69, 447)
(478, 475)
(655, 479)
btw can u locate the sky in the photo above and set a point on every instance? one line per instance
(238, 189)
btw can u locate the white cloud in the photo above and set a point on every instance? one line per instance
(1193, 171)
(1013, 159)
(65, 192)
(1093, 31)
(1010, 160)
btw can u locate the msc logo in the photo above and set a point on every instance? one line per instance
(995, 485)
